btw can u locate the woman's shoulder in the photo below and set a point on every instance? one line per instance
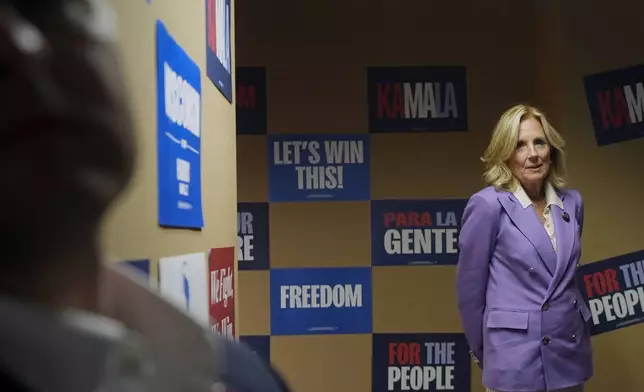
(571, 193)
(489, 193)
(487, 197)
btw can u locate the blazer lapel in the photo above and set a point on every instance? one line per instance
(527, 221)
(565, 234)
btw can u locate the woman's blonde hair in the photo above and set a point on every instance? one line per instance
(504, 142)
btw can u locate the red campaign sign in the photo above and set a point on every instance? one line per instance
(221, 265)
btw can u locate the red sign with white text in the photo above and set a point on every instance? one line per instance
(221, 264)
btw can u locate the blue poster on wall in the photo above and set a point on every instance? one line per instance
(420, 362)
(417, 99)
(613, 289)
(315, 301)
(218, 52)
(260, 344)
(252, 236)
(318, 168)
(251, 104)
(616, 103)
(413, 232)
(178, 135)
(142, 266)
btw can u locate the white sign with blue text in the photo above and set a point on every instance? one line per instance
(314, 301)
(178, 135)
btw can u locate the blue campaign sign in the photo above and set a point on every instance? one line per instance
(318, 167)
(420, 362)
(616, 103)
(251, 104)
(178, 135)
(417, 99)
(218, 54)
(314, 301)
(413, 232)
(613, 289)
(260, 344)
(252, 236)
(142, 266)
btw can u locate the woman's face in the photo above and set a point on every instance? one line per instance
(531, 160)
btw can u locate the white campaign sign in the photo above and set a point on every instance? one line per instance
(184, 281)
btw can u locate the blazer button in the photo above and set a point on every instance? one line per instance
(532, 270)
(578, 265)
(574, 303)
(545, 306)
(574, 336)
(545, 340)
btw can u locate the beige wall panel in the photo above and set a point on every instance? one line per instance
(252, 168)
(320, 234)
(320, 107)
(254, 304)
(617, 356)
(414, 299)
(425, 166)
(609, 177)
(323, 363)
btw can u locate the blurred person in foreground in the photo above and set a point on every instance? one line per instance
(520, 243)
(69, 321)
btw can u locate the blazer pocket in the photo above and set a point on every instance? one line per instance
(507, 327)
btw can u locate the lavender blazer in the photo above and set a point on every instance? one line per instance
(520, 308)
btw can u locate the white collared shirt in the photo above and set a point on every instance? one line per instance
(551, 199)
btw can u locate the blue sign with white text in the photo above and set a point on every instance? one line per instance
(417, 99)
(420, 362)
(613, 289)
(414, 232)
(178, 135)
(260, 344)
(252, 236)
(218, 52)
(251, 105)
(616, 103)
(318, 168)
(315, 301)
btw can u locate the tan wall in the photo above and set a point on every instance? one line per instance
(600, 36)
(316, 53)
(131, 231)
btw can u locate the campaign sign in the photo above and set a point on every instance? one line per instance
(250, 99)
(614, 291)
(314, 301)
(252, 236)
(142, 266)
(221, 285)
(183, 281)
(413, 232)
(616, 103)
(420, 362)
(260, 344)
(417, 99)
(318, 167)
(178, 135)
(218, 57)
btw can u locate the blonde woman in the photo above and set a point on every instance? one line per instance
(520, 243)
